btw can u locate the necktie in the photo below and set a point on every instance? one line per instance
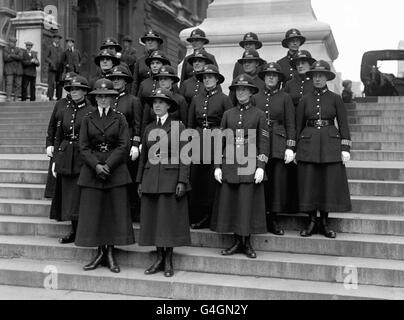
(104, 113)
(159, 122)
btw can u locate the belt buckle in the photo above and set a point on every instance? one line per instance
(104, 148)
(318, 123)
(240, 141)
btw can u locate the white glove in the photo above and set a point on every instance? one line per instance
(259, 176)
(134, 153)
(49, 151)
(53, 170)
(294, 158)
(289, 156)
(140, 148)
(218, 175)
(346, 156)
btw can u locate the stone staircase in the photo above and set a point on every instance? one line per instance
(369, 246)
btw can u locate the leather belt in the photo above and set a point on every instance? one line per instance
(275, 122)
(319, 123)
(103, 147)
(71, 137)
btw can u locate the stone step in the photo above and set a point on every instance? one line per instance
(371, 145)
(375, 120)
(376, 188)
(22, 149)
(291, 266)
(184, 284)
(24, 121)
(377, 136)
(24, 161)
(38, 141)
(39, 126)
(14, 104)
(37, 134)
(376, 155)
(377, 205)
(375, 113)
(376, 170)
(377, 128)
(40, 114)
(23, 176)
(22, 191)
(24, 207)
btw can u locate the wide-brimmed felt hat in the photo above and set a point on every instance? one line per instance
(165, 95)
(111, 42)
(198, 34)
(302, 55)
(70, 39)
(68, 77)
(151, 35)
(251, 37)
(78, 82)
(121, 72)
(105, 87)
(106, 54)
(157, 55)
(210, 69)
(272, 67)
(251, 55)
(199, 54)
(244, 80)
(167, 71)
(292, 34)
(127, 38)
(322, 67)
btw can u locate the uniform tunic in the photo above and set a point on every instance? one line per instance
(206, 112)
(239, 205)
(147, 88)
(104, 205)
(298, 87)
(68, 162)
(190, 88)
(50, 141)
(281, 189)
(140, 73)
(188, 70)
(164, 218)
(323, 183)
(288, 71)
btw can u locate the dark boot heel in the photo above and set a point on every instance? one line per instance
(312, 227)
(158, 265)
(72, 236)
(168, 263)
(98, 260)
(237, 247)
(111, 262)
(248, 249)
(325, 229)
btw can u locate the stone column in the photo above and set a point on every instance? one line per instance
(5, 15)
(228, 20)
(36, 26)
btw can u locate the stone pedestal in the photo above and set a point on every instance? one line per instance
(228, 20)
(5, 15)
(37, 27)
(400, 72)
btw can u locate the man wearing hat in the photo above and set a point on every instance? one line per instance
(152, 41)
(249, 42)
(72, 57)
(191, 87)
(29, 62)
(13, 70)
(293, 41)
(198, 40)
(251, 63)
(53, 57)
(301, 84)
(128, 53)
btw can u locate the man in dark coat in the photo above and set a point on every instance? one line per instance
(53, 57)
(30, 62)
(71, 57)
(13, 68)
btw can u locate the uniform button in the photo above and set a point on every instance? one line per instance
(240, 122)
(204, 115)
(71, 128)
(301, 92)
(71, 142)
(318, 113)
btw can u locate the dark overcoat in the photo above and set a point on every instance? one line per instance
(298, 87)
(29, 67)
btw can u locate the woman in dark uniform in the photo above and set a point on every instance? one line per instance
(163, 182)
(281, 189)
(68, 161)
(205, 113)
(132, 109)
(322, 151)
(239, 205)
(191, 87)
(105, 62)
(105, 218)
(301, 84)
(250, 42)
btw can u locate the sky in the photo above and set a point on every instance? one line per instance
(359, 26)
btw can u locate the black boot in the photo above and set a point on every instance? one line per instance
(325, 230)
(168, 263)
(312, 227)
(237, 247)
(273, 226)
(248, 249)
(100, 259)
(203, 224)
(158, 265)
(72, 236)
(111, 262)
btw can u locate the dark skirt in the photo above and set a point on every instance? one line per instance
(239, 209)
(104, 218)
(134, 200)
(203, 190)
(50, 183)
(281, 194)
(323, 187)
(164, 221)
(66, 201)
